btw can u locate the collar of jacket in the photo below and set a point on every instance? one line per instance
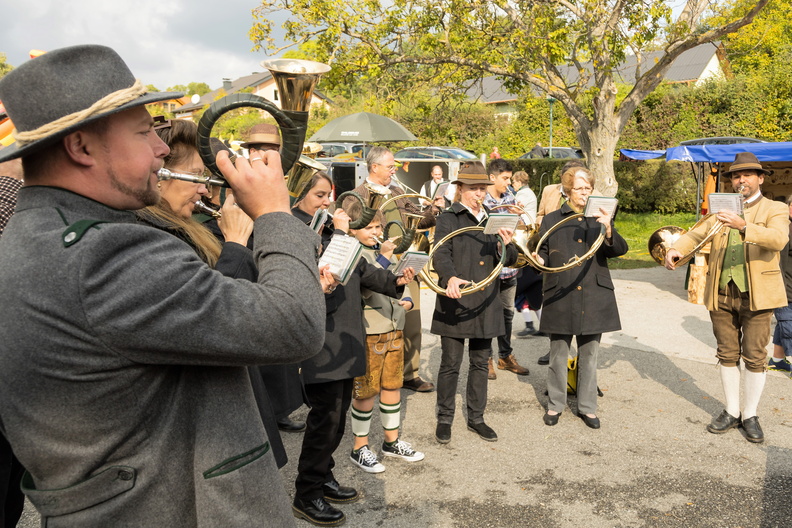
(458, 208)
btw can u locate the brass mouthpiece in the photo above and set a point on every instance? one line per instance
(201, 207)
(165, 174)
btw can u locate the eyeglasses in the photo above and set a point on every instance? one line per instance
(388, 167)
(583, 189)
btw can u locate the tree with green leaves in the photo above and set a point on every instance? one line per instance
(4, 66)
(566, 49)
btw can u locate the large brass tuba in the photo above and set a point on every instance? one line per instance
(295, 80)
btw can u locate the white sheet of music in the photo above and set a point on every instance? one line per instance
(497, 220)
(342, 254)
(595, 203)
(725, 202)
(412, 259)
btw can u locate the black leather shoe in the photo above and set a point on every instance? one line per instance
(594, 423)
(318, 512)
(443, 433)
(418, 385)
(334, 492)
(545, 360)
(551, 419)
(753, 432)
(484, 431)
(290, 426)
(723, 423)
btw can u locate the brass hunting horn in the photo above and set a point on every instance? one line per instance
(376, 195)
(295, 80)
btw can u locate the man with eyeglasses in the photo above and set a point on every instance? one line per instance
(381, 168)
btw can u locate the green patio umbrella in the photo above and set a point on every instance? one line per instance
(363, 127)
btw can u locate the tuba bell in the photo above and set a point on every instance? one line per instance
(295, 80)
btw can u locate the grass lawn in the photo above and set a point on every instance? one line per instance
(636, 228)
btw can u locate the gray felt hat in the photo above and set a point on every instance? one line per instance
(63, 82)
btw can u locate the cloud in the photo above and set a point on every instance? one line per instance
(164, 42)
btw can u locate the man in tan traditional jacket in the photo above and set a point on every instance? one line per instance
(744, 284)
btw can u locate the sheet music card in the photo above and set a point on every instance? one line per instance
(595, 203)
(498, 220)
(411, 259)
(725, 202)
(342, 254)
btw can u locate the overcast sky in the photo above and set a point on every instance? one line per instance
(164, 42)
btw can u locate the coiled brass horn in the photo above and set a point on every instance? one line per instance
(471, 287)
(376, 195)
(295, 80)
(662, 239)
(406, 239)
(527, 240)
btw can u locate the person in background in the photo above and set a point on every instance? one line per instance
(528, 295)
(495, 154)
(261, 138)
(782, 335)
(435, 188)
(499, 195)
(524, 196)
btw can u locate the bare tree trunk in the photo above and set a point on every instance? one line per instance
(599, 144)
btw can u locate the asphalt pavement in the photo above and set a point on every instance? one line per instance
(652, 464)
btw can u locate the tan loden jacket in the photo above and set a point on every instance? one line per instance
(766, 234)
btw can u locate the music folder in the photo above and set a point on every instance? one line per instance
(498, 220)
(342, 254)
(411, 259)
(595, 203)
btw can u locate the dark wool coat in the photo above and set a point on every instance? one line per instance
(344, 352)
(123, 412)
(579, 301)
(469, 256)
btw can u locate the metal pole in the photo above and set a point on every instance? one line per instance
(551, 100)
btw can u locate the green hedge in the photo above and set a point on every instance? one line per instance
(652, 186)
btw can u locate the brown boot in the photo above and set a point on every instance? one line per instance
(510, 363)
(491, 370)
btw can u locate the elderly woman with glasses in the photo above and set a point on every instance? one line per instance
(578, 302)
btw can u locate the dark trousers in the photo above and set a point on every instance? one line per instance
(12, 500)
(508, 289)
(453, 350)
(324, 431)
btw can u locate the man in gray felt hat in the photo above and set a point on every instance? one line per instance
(123, 407)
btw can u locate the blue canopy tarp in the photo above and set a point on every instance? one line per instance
(781, 151)
(642, 154)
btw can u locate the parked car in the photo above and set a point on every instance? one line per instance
(331, 150)
(441, 153)
(560, 153)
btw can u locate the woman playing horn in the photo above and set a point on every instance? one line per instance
(477, 317)
(580, 301)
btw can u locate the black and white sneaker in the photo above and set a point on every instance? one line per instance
(403, 450)
(366, 460)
